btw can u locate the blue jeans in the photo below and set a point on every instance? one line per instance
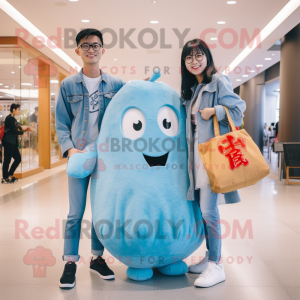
(77, 199)
(211, 219)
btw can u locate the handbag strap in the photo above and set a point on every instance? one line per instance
(216, 123)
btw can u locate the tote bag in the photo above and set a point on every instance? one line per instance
(232, 161)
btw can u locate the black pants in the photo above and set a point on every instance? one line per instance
(10, 151)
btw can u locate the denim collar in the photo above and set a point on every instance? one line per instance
(79, 77)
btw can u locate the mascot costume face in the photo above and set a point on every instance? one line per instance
(139, 181)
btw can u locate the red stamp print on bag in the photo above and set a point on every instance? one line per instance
(234, 155)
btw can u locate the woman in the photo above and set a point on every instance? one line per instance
(205, 93)
(10, 144)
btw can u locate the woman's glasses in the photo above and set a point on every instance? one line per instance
(189, 59)
(86, 46)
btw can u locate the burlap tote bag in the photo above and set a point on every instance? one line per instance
(232, 161)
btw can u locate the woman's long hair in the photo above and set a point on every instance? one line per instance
(188, 79)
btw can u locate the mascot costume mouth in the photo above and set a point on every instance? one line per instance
(139, 181)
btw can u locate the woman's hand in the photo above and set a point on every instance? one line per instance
(207, 112)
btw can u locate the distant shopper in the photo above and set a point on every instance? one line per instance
(10, 144)
(34, 116)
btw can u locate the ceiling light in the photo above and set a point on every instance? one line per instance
(62, 38)
(19, 67)
(12, 72)
(252, 71)
(268, 58)
(24, 93)
(239, 80)
(153, 22)
(115, 59)
(85, 21)
(24, 83)
(259, 66)
(25, 23)
(273, 54)
(1, 83)
(153, 1)
(283, 14)
(231, 2)
(73, 0)
(6, 86)
(221, 22)
(277, 90)
(213, 39)
(245, 75)
(53, 94)
(54, 81)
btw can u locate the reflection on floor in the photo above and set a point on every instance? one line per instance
(265, 266)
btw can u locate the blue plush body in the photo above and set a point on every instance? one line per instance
(125, 189)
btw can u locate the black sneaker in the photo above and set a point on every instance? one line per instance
(13, 180)
(100, 267)
(68, 278)
(5, 181)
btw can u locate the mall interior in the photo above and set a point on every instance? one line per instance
(256, 44)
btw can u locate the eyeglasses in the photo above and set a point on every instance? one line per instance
(86, 46)
(189, 59)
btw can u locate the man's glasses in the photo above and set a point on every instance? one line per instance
(86, 46)
(189, 59)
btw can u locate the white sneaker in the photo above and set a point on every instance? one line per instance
(200, 266)
(214, 274)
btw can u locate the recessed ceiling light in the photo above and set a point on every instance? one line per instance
(6, 86)
(85, 21)
(12, 72)
(24, 83)
(53, 94)
(277, 90)
(115, 59)
(259, 65)
(245, 75)
(153, 22)
(73, 0)
(221, 22)
(231, 2)
(273, 54)
(1, 83)
(62, 38)
(153, 1)
(54, 81)
(19, 67)
(213, 39)
(268, 58)
(252, 71)
(239, 80)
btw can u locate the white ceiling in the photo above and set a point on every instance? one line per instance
(119, 14)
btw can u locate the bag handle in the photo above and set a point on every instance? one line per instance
(216, 123)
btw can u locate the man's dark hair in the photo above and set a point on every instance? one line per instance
(36, 109)
(85, 33)
(14, 106)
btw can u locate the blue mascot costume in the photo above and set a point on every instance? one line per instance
(139, 181)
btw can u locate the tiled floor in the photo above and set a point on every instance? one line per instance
(265, 266)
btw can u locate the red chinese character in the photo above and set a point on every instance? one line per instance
(234, 155)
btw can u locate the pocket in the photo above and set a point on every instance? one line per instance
(75, 103)
(207, 100)
(107, 97)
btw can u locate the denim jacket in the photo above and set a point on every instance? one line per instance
(72, 108)
(218, 93)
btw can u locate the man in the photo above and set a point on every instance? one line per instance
(10, 144)
(80, 107)
(34, 116)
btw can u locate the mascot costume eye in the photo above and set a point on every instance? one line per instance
(139, 181)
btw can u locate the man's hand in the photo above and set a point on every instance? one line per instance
(207, 112)
(73, 151)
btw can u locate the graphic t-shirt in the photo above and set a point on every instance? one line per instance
(92, 84)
